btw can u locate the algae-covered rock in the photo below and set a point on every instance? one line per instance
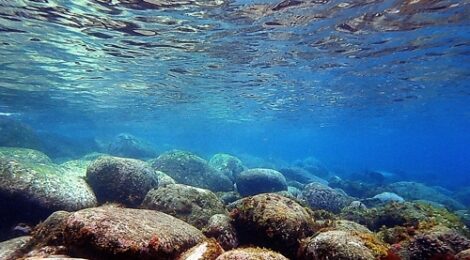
(221, 228)
(314, 166)
(251, 253)
(319, 196)
(338, 245)
(76, 167)
(273, 221)
(187, 168)
(419, 191)
(463, 255)
(207, 250)
(50, 232)
(227, 164)
(164, 179)
(259, 180)
(127, 145)
(191, 204)
(24, 155)
(30, 192)
(121, 180)
(111, 232)
(12, 249)
(16, 134)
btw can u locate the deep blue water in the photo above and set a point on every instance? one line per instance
(357, 84)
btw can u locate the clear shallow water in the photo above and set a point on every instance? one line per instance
(357, 84)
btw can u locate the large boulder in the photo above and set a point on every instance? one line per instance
(259, 180)
(16, 134)
(301, 175)
(273, 221)
(121, 180)
(111, 232)
(249, 253)
(193, 205)
(227, 164)
(189, 169)
(127, 145)
(31, 192)
(24, 155)
(319, 196)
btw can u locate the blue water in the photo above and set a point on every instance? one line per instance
(358, 84)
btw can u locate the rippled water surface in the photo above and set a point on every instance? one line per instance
(397, 67)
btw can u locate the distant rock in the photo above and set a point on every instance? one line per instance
(354, 188)
(16, 134)
(30, 192)
(388, 197)
(122, 180)
(193, 205)
(187, 168)
(319, 196)
(314, 166)
(127, 145)
(259, 180)
(220, 228)
(301, 175)
(419, 191)
(273, 221)
(24, 155)
(111, 232)
(227, 164)
(251, 253)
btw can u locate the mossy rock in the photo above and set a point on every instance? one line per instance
(121, 180)
(191, 204)
(260, 180)
(31, 192)
(272, 221)
(319, 196)
(111, 232)
(24, 155)
(227, 164)
(251, 253)
(220, 227)
(190, 169)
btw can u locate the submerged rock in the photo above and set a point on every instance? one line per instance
(338, 245)
(220, 227)
(251, 253)
(314, 166)
(24, 155)
(164, 179)
(189, 169)
(12, 249)
(111, 232)
(419, 191)
(122, 180)
(319, 196)
(16, 134)
(193, 205)
(301, 175)
(273, 221)
(259, 180)
(31, 192)
(227, 164)
(207, 250)
(127, 145)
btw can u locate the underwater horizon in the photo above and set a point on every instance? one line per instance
(365, 97)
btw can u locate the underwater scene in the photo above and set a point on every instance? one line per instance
(235, 129)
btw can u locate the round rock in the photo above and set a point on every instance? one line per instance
(319, 196)
(187, 168)
(193, 205)
(260, 180)
(122, 180)
(229, 165)
(272, 221)
(111, 232)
